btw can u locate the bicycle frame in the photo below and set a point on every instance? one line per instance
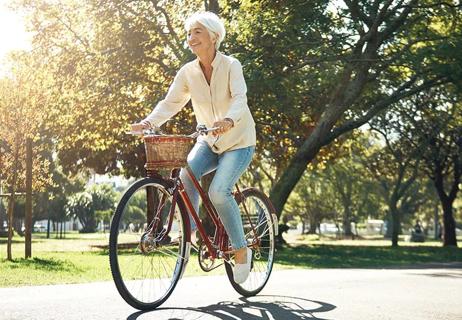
(220, 237)
(219, 248)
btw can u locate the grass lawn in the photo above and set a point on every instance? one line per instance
(76, 260)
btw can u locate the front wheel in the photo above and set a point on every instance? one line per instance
(146, 261)
(259, 230)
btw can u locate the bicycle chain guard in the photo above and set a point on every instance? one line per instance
(205, 262)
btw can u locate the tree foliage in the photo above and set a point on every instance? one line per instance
(431, 123)
(379, 56)
(316, 71)
(111, 62)
(23, 97)
(87, 206)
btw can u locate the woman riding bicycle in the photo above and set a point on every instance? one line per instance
(216, 86)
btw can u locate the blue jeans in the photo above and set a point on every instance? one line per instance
(229, 166)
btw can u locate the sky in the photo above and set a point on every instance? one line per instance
(13, 35)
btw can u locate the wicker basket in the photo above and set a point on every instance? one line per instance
(166, 152)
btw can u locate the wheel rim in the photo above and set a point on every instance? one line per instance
(149, 265)
(263, 252)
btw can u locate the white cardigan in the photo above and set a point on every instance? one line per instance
(224, 98)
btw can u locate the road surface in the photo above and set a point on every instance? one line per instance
(430, 292)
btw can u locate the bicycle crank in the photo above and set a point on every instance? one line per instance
(205, 262)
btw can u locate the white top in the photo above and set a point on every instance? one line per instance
(225, 97)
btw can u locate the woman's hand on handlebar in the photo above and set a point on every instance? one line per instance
(222, 126)
(139, 127)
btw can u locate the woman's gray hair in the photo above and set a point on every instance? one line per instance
(211, 22)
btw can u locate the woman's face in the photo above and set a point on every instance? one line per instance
(199, 39)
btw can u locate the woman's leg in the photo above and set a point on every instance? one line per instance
(201, 160)
(231, 165)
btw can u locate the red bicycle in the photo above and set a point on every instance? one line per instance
(150, 237)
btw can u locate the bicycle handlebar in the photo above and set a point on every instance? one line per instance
(200, 129)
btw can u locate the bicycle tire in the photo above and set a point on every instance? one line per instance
(124, 259)
(258, 276)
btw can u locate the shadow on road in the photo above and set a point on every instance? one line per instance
(453, 275)
(258, 307)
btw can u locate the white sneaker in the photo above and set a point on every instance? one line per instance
(241, 270)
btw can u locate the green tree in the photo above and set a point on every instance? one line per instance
(111, 62)
(51, 203)
(23, 95)
(87, 205)
(333, 67)
(316, 70)
(396, 170)
(434, 125)
(354, 190)
(339, 189)
(136, 211)
(80, 206)
(313, 201)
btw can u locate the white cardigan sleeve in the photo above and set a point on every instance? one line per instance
(238, 90)
(177, 96)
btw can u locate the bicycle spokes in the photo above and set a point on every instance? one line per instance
(259, 232)
(148, 245)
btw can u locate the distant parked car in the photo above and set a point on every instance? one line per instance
(417, 234)
(39, 227)
(328, 228)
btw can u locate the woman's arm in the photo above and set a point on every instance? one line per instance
(177, 97)
(238, 90)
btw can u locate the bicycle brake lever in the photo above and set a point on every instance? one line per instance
(194, 135)
(201, 130)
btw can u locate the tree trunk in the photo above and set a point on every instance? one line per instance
(347, 222)
(345, 93)
(10, 223)
(436, 224)
(395, 218)
(290, 177)
(28, 215)
(449, 224)
(89, 225)
(11, 201)
(48, 226)
(313, 226)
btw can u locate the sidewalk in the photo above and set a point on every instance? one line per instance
(432, 293)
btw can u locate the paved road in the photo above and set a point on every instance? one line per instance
(422, 293)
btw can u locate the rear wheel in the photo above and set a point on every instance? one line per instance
(146, 266)
(257, 219)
